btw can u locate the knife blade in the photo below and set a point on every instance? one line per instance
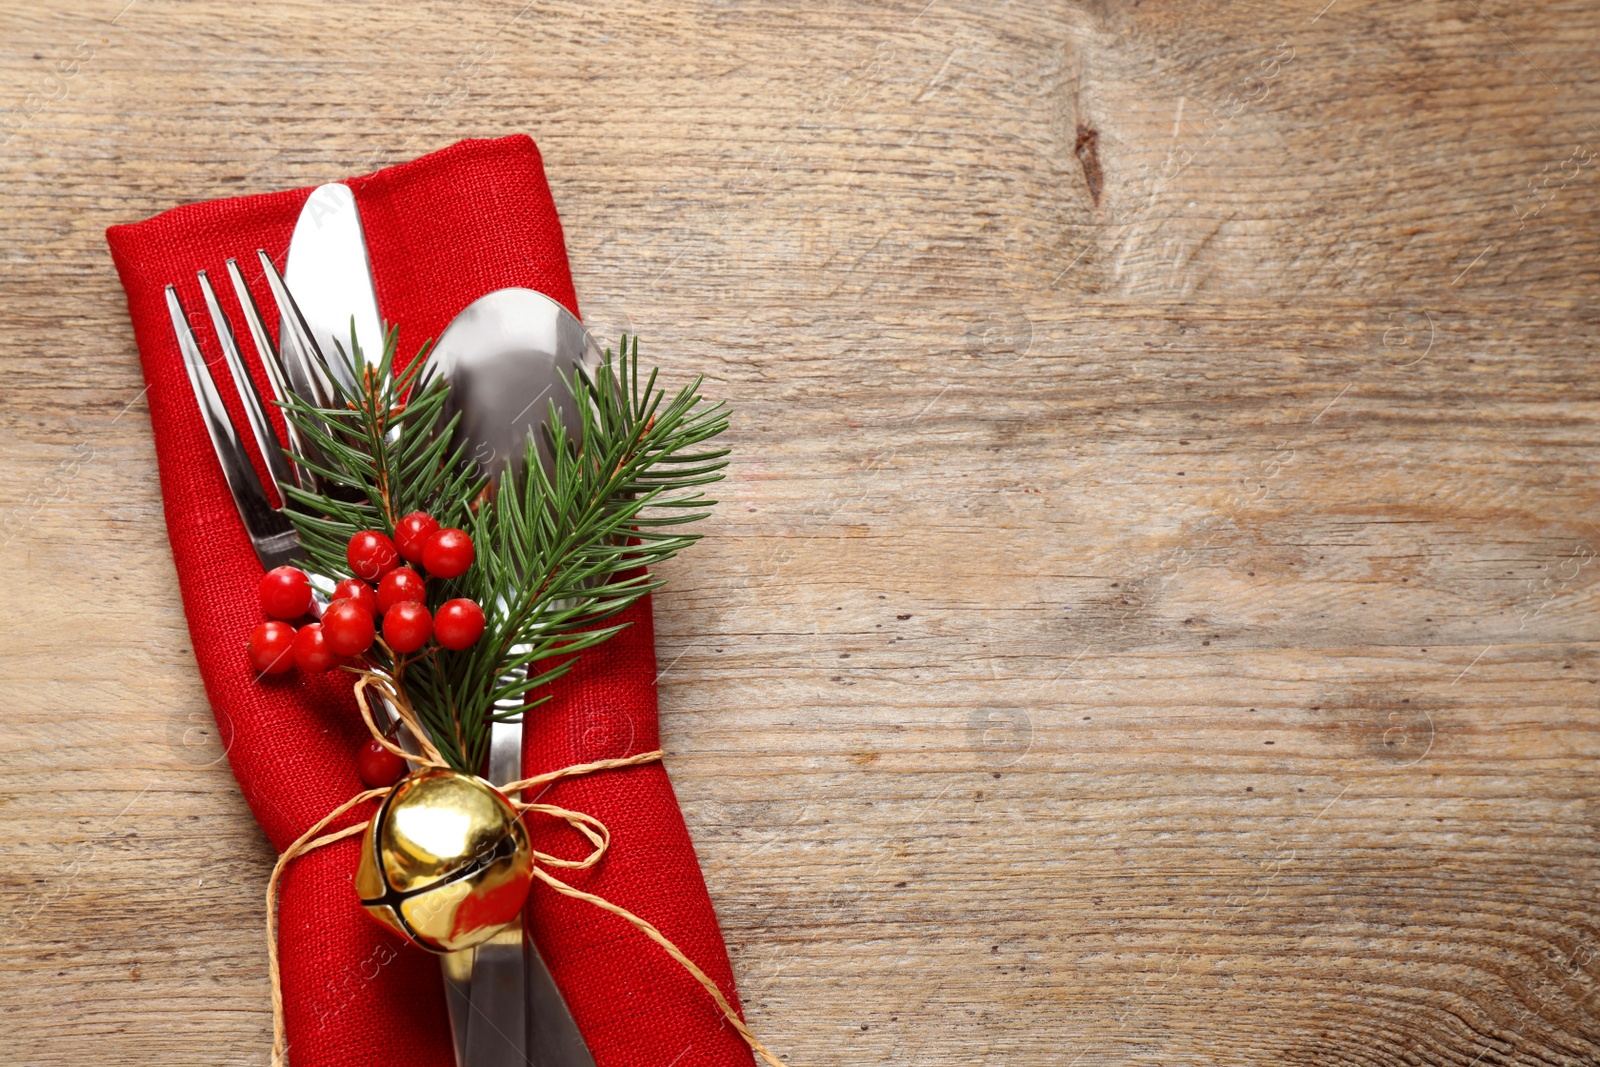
(329, 274)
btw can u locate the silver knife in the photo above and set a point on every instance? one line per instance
(504, 1005)
(329, 274)
(330, 277)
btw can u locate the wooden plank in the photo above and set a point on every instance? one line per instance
(1151, 616)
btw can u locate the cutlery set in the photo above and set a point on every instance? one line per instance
(504, 356)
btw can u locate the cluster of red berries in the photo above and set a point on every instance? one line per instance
(382, 589)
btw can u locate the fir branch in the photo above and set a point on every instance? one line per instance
(560, 552)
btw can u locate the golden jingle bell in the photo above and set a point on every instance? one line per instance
(445, 862)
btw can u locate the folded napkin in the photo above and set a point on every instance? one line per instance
(442, 231)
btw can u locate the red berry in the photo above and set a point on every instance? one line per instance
(285, 593)
(371, 555)
(448, 553)
(311, 651)
(347, 627)
(359, 591)
(411, 534)
(271, 647)
(400, 584)
(407, 626)
(378, 766)
(459, 624)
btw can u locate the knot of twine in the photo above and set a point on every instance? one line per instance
(587, 825)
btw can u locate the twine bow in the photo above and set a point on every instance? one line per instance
(587, 825)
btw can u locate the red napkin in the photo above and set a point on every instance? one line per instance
(442, 231)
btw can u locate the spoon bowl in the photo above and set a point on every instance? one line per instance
(504, 357)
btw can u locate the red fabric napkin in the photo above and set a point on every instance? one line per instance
(442, 231)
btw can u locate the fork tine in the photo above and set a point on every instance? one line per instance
(299, 348)
(248, 495)
(254, 412)
(273, 366)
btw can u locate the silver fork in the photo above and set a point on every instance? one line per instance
(511, 1006)
(274, 539)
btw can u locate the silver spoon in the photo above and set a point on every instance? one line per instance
(504, 356)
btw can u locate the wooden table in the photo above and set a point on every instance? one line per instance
(1150, 619)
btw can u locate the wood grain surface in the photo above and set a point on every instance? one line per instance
(1151, 616)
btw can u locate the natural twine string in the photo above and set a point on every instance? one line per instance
(587, 825)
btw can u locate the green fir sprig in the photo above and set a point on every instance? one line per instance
(559, 552)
